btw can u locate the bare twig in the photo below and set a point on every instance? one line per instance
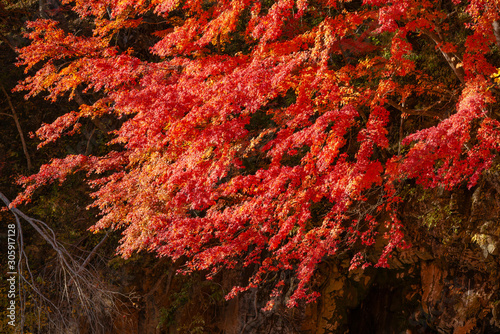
(19, 129)
(452, 59)
(416, 112)
(256, 311)
(6, 41)
(93, 252)
(72, 292)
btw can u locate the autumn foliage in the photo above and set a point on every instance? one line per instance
(269, 134)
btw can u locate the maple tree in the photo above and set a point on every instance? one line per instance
(274, 133)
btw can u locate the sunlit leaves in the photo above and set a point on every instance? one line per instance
(270, 155)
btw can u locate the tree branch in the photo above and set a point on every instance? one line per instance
(418, 112)
(496, 32)
(4, 114)
(451, 58)
(70, 291)
(93, 252)
(6, 41)
(19, 129)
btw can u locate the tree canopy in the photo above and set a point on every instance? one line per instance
(269, 134)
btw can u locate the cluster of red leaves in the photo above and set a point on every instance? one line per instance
(179, 187)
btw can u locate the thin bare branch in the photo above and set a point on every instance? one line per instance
(6, 41)
(452, 59)
(71, 292)
(417, 112)
(93, 252)
(19, 129)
